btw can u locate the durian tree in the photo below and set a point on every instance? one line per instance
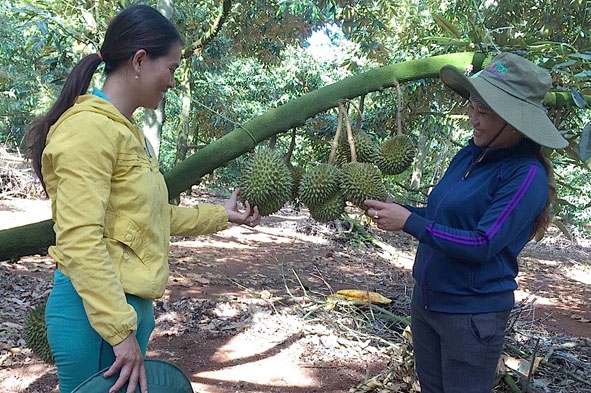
(35, 238)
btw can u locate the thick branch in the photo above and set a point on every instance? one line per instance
(34, 238)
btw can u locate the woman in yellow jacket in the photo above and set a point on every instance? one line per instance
(110, 203)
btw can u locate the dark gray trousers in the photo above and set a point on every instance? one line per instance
(456, 353)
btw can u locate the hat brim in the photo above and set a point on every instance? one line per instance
(163, 377)
(529, 119)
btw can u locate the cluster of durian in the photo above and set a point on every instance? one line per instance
(268, 182)
(320, 190)
(35, 333)
(393, 156)
(325, 189)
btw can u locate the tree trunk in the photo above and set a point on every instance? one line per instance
(153, 120)
(34, 238)
(183, 137)
(417, 172)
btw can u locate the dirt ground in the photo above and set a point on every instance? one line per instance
(246, 309)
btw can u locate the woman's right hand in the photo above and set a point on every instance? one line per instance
(249, 216)
(388, 216)
(129, 361)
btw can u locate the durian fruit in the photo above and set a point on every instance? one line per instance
(297, 172)
(396, 154)
(266, 182)
(365, 148)
(362, 181)
(319, 184)
(329, 210)
(35, 334)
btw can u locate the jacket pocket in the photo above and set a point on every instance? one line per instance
(126, 232)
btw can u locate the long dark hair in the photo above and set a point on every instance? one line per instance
(137, 27)
(544, 219)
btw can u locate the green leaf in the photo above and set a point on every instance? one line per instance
(446, 25)
(562, 228)
(583, 75)
(565, 64)
(578, 98)
(583, 56)
(585, 143)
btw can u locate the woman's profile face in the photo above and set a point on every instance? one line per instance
(487, 124)
(157, 76)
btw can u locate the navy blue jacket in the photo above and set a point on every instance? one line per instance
(472, 229)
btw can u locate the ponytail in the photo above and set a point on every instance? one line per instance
(76, 85)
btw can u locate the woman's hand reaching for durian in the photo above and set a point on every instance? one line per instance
(250, 216)
(388, 216)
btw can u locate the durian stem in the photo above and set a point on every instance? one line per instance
(360, 110)
(292, 144)
(337, 136)
(349, 133)
(399, 108)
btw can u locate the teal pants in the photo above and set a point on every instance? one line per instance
(78, 350)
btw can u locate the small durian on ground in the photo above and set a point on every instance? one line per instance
(396, 154)
(362, 181)
(35, 334)
(266, 181)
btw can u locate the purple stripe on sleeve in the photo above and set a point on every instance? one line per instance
(491, 232)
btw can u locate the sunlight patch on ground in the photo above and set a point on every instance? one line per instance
(218, 244)
(280, 370)
(272, 361)
(27, 378)
(399, 259)
(17, 212)
(535, 299)
(287, 234)
(579, 273)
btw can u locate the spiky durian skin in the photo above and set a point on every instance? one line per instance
(329, 210)
(35, 334)
(365, 148)
(396, 154)
(362, 181)
(297, 172)
(319, 184)
(266, 182)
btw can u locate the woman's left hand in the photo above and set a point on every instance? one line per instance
(250, 216)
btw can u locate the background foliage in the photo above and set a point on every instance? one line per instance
(266, 53)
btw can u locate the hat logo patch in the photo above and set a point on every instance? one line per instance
(497, 70)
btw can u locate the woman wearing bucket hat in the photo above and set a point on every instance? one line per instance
(493, 198)
(110, 207)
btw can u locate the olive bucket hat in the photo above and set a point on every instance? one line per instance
(513, 87)
(163, 377)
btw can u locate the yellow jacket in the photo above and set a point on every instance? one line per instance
(112, 218)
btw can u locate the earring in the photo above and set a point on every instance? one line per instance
(137, 77)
